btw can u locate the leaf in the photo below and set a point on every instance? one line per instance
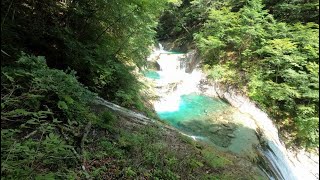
(68, 99)
(42, 114)
(56, 121)
(51, 136)
(17, 113)
(62, 105)
(33, 121)
(8, 77)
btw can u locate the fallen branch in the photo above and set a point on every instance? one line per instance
(5, 52)
(30, 134)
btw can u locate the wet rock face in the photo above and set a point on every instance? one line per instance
(157, 66)
(193, 58)
(153, 65)
(300, 164)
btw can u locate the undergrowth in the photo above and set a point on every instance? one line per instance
(44, 113)
(51, 130)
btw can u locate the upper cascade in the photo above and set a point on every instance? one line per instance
(173, 67)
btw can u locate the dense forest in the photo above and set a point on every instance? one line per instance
(268, 49)
(57, 56)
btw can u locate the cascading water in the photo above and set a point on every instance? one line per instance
(173, 73)
(161, 47)
(175, 86)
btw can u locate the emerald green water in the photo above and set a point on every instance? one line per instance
(152, 74)
(174, 52)
(193, 107)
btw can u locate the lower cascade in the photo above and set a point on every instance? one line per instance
(191, 104)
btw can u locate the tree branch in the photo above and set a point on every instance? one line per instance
(108, 28)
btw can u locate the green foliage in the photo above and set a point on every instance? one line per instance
(48, 130)
(275, 63)
(222, 73)
(214, 160)
(44, 135)
(288, 84)
(105, 120)
(181, 19)
(103, 41)
(294, 11)
(40, 107)
(145, 152)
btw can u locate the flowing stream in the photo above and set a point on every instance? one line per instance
(183, 105)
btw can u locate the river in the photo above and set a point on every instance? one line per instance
(184, 105)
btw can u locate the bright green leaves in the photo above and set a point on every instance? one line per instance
(175, 2)
(277, 62)
(223, 15)
(280, 47)
(313, 68)
(236, 32)
(68, 99)
(293, 78)
(217, 34)
(281, 92)
(210, 46)
(222, 73)
(62, 105)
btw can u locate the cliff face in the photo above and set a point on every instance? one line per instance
(194, 60)
(301, 163)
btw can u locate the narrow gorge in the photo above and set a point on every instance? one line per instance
(219, 115)
(160, 89)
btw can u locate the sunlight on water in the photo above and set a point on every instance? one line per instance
(190, 107)
(180, 101)
(181, 106)
(152, 74)
(169, 104)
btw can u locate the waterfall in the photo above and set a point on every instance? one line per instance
(178, 82)
(275, 152)
(281, 161)
(278, 164)
(173, 71)
(161, 47)
(170, 74)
